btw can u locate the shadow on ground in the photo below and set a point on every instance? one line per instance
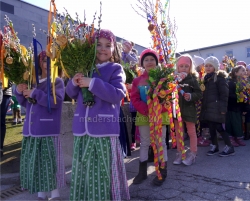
(10, 162)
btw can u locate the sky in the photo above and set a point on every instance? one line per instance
(200, 23)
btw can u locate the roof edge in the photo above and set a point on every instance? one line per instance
(223, 44)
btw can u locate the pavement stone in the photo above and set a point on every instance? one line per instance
(210, 178)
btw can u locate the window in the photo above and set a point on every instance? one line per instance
(229, 53)
(210, 54)
(248, 51)
(6, 7)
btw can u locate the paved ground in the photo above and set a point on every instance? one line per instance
(210, 178)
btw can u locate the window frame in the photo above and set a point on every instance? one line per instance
(248, 52)
(229, 51)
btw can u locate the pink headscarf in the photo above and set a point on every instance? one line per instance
(105, 33)
(42, 55)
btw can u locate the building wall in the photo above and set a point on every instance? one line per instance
(239, 51)
(23, 15)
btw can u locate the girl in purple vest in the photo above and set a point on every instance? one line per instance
(98, 171)
(41, 165)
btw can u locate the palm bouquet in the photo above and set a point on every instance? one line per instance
(230, 61)
(17, 61)
(72, 46)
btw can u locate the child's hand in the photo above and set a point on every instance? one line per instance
(187, 96)
(76, 78)
(26, 93)
(84, 82)
(223, 113)
(21, 87)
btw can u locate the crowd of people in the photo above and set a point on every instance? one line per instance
(98, 171)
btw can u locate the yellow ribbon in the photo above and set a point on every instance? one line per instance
(54, 74)
(67, 75)
(2, 67)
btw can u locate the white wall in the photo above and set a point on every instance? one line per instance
(239, 51)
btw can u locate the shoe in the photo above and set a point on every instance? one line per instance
(14, 123)
(142, 175)
(190, 159)
(233, 142)
(213, 150)
(178, 159)
(228, 151)
(163, 172)
(201, 142)
(19, 122)
(240, 142)
(133, 146)
(246, 138)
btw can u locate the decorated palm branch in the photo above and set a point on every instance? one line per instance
(72, 46)
(230, 61)
(16, 59)
(242, 90)
(163, 91)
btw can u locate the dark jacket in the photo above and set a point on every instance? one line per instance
(1, 93)
(8, 90)
(215, 98)
(188, 109)
(232, 99)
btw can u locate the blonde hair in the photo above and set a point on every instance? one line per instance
(192, 66)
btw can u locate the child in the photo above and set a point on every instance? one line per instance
(41, 166)
(98, 171)
(133, 115)
(201, 141)
(214, 105)
(127, 55)
(149, 60)
(187, 101)
(16, 110)
(7, 93)
(247, 115)
(235, 109)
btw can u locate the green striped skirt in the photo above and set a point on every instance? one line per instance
(98, 171)
(38, 164)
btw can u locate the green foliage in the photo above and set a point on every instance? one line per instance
(156, 74)
(131, 73)
(77, 57)
(15, 71)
